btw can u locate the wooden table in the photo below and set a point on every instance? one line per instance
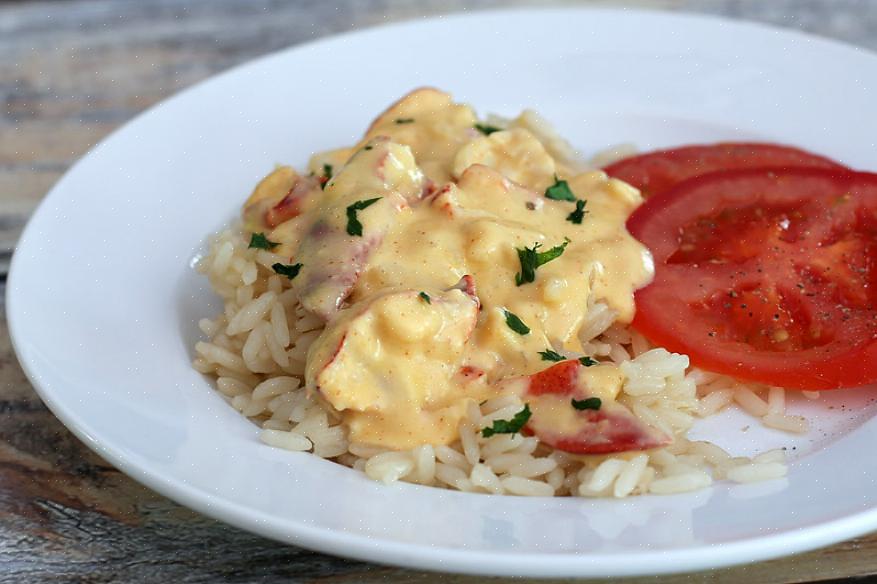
(70, 72)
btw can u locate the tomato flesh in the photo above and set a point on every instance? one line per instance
(768, 275)
(655, 172)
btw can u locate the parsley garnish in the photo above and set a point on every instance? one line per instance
(487, 129)
(591, 403)
(559, 191)
(425, 297)
(367, 148)
(404, 120)
(259, 241)
(290, 271)
(579, 214)
(327, 175)
(588, 362)
(512, 426)
(515, 323)
(354, 227)
(550, 355)
(531, 259)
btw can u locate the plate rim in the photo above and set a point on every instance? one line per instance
(404, 554)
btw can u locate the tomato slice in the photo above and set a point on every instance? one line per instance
(769, 275)
(655, 172)
(609, 428)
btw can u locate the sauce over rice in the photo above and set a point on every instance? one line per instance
(446, 261)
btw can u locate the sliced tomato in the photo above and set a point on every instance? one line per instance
(768, 275)
(554, 420)
(655, 172)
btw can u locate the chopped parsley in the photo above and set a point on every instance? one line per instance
(369, 147)
(354, 227)
(591, 403)
(512, 426)
(487, 129)
(327, 175)
(579, 214)
(550, 355)
(559, 191)
(425, 297)
(404, 120)
(515, 323)
(259, 241)
(531, 259)
(290, 271)
(588, 362)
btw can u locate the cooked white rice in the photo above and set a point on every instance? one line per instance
(257, 349)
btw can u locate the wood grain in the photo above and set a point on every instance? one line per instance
(70, 73)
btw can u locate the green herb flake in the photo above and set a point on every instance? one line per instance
(591, 403)
(354, 227)
(404, 120)
(550, 355)
(290, 271)
(425, 297)
(487, 129)
(579, 214)
(531, 259)
(588, 362)
(327, 175)
(515, 323)
(512, 426)
(559, 191)
(368, 147)
(259, 241)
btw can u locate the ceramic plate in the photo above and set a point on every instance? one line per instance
(103, 301)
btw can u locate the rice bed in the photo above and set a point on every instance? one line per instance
(256, 352)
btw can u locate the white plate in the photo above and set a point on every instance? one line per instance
(103, 303)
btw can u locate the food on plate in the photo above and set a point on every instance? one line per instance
(766, 275)
(448, 302)
(596, 423)
(655, 172)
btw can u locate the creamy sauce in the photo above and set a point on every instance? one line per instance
(453, 202)
(399, 353)
(603, 382)
(332, 258)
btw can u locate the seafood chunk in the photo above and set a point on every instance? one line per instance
(432, 125)
(515, 153)
(574, 409)
(379, 182)
(394, 356)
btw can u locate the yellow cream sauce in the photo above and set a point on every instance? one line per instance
(404, 352)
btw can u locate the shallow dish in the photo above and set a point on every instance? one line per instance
(103, 302)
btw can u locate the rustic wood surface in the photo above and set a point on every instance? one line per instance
(70, 72)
